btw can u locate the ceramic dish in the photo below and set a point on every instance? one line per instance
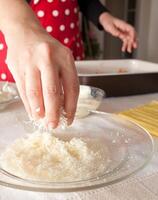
(119, 77)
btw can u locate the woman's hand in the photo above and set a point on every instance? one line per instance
(122, 30)
(43, 68)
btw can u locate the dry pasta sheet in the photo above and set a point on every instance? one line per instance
(145, 115)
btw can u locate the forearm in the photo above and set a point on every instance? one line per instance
(15, 14)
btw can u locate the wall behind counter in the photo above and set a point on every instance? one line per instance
(147, 26)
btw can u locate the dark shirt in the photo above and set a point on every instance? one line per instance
(91, 9)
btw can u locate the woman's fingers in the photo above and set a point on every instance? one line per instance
(127, 32)
(130, 46)
(124, 45)
(135, 45)
(131, 34)
(34, 92)
(51, 94)
(48, 82)
(59, 77)
(70, 87)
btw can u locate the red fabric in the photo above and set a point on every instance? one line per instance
(60, 18)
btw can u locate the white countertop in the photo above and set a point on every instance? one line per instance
(143, 186)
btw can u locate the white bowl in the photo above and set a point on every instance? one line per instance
(90, 99)
(8, 94)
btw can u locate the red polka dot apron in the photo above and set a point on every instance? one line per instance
(60, 18)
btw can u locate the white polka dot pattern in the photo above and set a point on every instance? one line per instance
(36, 1)
(78, 44)
(40, 13)
(3, 76)
(78, 58)
(55, 13)
(75, 10)
(50, 1)
(49, 29)
(62, 27)
(67, 12)
(66, 40)
(72, 25)
(1, 46)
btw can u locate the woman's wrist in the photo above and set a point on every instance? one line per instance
(20, 29)
(104, 17)
(17, 19)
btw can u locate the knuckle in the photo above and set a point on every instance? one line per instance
(52, 91)
(47, 65)
(45, 52)
(27, 54)
(33, 93)
(45, 47)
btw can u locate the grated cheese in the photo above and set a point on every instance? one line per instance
(43, 157)
(41, 126)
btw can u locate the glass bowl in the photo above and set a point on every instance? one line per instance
(89, 99)
(129, 149)
(10, 92)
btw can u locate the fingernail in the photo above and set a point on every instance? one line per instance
(69, 121)
(51, 125)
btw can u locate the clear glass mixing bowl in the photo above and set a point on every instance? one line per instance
(129, 148)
